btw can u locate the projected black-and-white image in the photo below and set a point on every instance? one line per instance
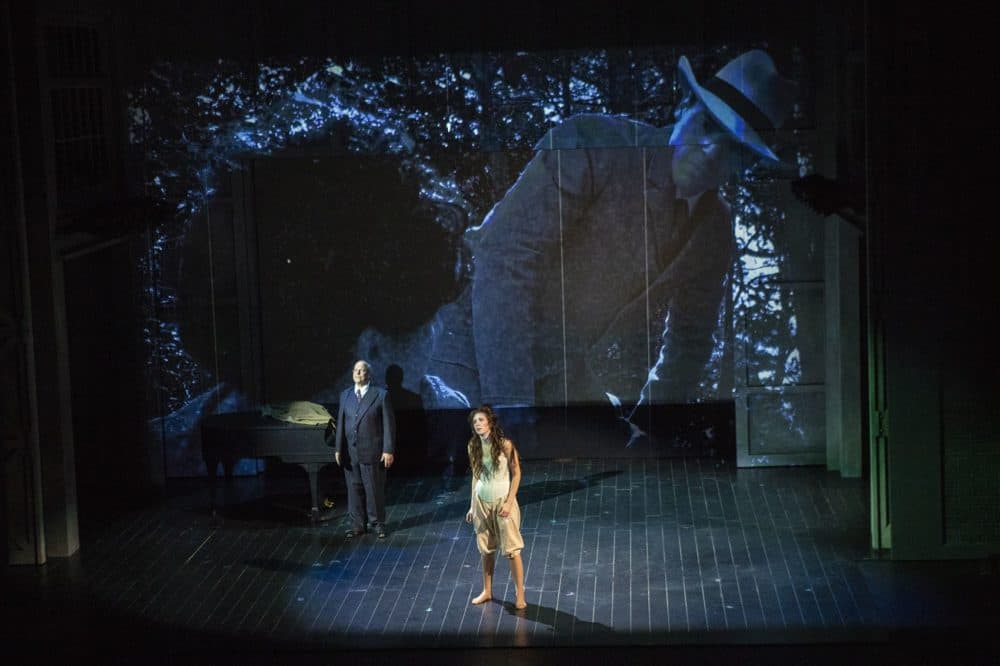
(590, 229)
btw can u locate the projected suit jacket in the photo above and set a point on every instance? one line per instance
(365, 431)
(590, 277)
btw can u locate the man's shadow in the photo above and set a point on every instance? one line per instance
(411, 423)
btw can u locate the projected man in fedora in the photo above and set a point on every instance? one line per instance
(602, 270)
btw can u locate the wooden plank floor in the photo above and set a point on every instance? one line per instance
(627, 561)
(616, 552)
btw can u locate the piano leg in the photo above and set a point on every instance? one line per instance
(212, 467)
(312, 469)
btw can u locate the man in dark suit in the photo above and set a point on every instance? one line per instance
(364, 446)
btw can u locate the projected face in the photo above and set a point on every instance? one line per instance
(705, 154)
(361, 373)
(481, 424)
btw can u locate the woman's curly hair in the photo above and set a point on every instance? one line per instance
(496, 438)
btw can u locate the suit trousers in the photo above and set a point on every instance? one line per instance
(365, 493)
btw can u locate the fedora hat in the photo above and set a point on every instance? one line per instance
(747, 97)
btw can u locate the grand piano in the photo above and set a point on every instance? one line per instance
(226, 438)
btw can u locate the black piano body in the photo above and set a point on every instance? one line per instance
(226, 438)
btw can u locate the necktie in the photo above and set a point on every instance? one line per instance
(357, 394)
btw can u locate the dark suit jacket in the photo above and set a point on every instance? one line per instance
(366, 432)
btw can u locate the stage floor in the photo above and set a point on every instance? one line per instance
(623, 559)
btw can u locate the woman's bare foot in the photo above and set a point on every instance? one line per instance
(483, 597)
(519, 602)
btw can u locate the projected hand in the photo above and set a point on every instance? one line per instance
(387, 459)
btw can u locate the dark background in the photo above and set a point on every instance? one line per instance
(931, 143)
